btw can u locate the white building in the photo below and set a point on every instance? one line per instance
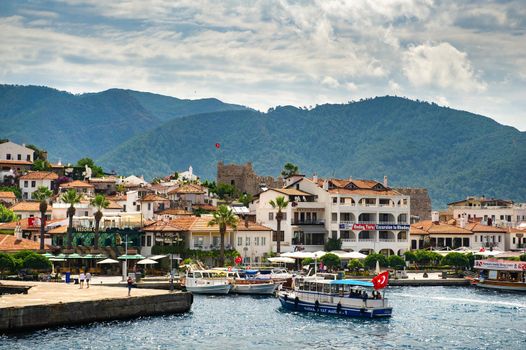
(491, 211)
(30, 182)
(14, 160)
(12, 151)
(366, 215)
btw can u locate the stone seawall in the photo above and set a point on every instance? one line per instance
(57, 314)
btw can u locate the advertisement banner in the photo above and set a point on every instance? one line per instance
(364, 227)
(500, 265)
(392, 227)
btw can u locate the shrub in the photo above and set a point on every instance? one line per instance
(7, 262)
(523, 257)
(355, 265)
(455, 259)
(371, 259)
(307, 261)
(331, 260)
(396, 262)
(37, 262)
(333, 244)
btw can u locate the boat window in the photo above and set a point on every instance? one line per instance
(334, 289)
(313, 287)
(190, 274)
(326, 288)
(198, 275)
(320, 287)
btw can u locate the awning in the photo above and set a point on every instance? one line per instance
(73, 256)
(108, 261)
(131, 257)
(282, 259)
(353, 283)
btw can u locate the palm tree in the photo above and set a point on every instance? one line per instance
(100, 202)
(223, 217)
(280, 203)
(71, 197)
(246, 199)
(42, 194)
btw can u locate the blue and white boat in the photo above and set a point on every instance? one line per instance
(343, 297)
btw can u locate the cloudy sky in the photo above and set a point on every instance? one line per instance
(465, 54)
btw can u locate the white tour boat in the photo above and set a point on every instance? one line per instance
(247, 282)
(343, 297)
(207, 282)
(501, 274)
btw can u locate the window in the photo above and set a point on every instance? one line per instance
(342, 200)
(142, 241)
(138, 207)
(263, 240)
(271, 216)
(124, 207)
(149, 241)
(19, 157)
(281, 236)
(149, 206)
(335, 200)
(247, 241)
(475, 239)
(513, 240)
(8, 156)
(256, 240)
(284, 216)
(33, 184)
(499, 239)
(334, 234)
(502, 217)
(26, 184)
(239, 241)
(85, 213)
(28, 158)
(334, 217)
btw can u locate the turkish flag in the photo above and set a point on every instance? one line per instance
(482, 249)
(218, 145)
(380, 281)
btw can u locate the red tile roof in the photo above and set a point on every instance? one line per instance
(15, 162)
(28, 206)
(7, 194)
(76, 184)
(153, 198)
(9, 243)
(188, 188)
(39, 175)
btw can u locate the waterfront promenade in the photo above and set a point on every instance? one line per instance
(52, 304)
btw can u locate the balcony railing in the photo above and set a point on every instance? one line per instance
(307, 222)
(366, 240)
(387, 240)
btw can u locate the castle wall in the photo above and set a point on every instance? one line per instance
(243, 177)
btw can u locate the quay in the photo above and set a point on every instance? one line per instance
(58, 304)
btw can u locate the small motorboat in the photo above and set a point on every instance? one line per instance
(207, 282)
(247, 282)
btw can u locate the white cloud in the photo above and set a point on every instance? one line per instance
(442, 66)
(394, 88)
(330, 82)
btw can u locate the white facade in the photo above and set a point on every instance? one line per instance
(253, 245)
(365, 222)
(503, 216)
(12, 151)
(29, 186)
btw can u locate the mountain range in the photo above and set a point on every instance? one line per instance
(453, 153)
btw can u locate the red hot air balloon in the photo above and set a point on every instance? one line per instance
(218, 145)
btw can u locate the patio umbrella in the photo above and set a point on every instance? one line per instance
(353, 255)
(88, 256)
(73, 256)
(131, 257)
(282, 259)
(147, 262)
(56, 259)
(100, 256)
(377, 270)
(48, 255)
(108, 261)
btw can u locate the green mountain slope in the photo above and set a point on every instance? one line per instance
(453, 153)
(73, 126)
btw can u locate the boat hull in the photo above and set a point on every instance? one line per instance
(304, 306)
(502, 285)
(210, 289)
(256, 288)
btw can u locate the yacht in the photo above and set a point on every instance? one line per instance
(500, 274)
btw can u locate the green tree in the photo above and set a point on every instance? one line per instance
(42, 194)
(37, 262)
(96, 171)
(523, 257)
(396, 262)
(120, 188)
(41, 165)
(100, 202)
(331, 260)
(289, 169)
(6, 214)
(225, 192)
(71, 197)
(7, 263)
(355, 265)
(307, 261)
(39, 154)
(371, 259)
(333, 244)
(456, 260)
(223, 217)
(280, 203)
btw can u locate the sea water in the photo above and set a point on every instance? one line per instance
(423, 318)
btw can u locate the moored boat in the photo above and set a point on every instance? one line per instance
(501, 275)
(247, 283)
(343, 297)
(207, 282)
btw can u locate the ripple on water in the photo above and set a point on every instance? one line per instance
(425, 317)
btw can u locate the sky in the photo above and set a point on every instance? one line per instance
(469, 55)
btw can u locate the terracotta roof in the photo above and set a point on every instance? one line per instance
(365, 192)
(291, 191)
(9, 243)
(76, 184)
(163, 226)
(28, 206)
(478, 227)
(15, 162)
(188, 188)
(114, 205)
(10, 195)
(153, 198)
(252, 226)
(201, 225)
(39, 175)
(174, 212)
(117, 197)
(204, 206)
(103, 179)
(59, 230)
(516, 230)
(24, 225)
(430, 227)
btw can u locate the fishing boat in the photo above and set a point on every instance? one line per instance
(501, 274)
(207, 282)
(345, 297)
(247, 282)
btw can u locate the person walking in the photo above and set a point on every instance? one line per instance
(130, 285)
(88, 278)
(171, 282)
(82, 277)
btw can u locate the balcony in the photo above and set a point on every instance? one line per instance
(308, 222)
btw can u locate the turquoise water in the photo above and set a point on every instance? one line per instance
(424, 317)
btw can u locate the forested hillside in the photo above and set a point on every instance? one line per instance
(453, 153)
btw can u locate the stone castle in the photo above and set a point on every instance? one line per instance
(420, 203)
(243, 177)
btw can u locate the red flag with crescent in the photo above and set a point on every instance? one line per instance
(218, 145)
(237, 260)
(380, 281)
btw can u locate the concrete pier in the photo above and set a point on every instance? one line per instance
(57, 304)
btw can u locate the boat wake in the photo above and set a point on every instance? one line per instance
(464, 300)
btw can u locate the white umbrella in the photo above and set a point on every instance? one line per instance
(108, 261)
(377, 266)
(488, 253)
(147, 262)
(298, 255)
(282, 259)
(352, 255)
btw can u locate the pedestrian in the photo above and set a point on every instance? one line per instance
(82, 277)
(130, 285)
(88, 278)
(171, 282)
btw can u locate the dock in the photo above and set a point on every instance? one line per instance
(59, 304)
